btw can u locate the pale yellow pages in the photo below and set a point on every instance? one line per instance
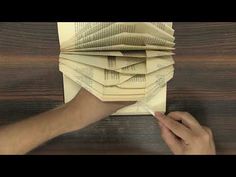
(165, 26)
(157, 103)
(170, 24)
(138, 84)
(129, 27)
(148, 66)
(125, 47)
(66, 32)
(105, 62)
(123, 65)
(81, 35)
(112, 76)
(103, 76)
(113, 91)
(128, 53)
(79, 30)
(147, 81)
(134, 39)
(100, 95)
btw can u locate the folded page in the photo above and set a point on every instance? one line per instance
(103, 76)
(128, 53)
(105, 62)
(157, 103)
(112, 91)
(116, 28)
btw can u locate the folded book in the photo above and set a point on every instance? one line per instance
(118, 61)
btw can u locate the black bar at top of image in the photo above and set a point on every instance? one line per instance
(119, 11)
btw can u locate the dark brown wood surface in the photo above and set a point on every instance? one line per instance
(204, 84)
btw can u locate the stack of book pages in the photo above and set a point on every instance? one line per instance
(118, 61)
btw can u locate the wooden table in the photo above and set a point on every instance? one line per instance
(204, 84)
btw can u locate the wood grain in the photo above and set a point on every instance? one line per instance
(204, 84)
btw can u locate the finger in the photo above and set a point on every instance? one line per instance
(177, 128)
(186, 118)
(208, 130)
(170, 139)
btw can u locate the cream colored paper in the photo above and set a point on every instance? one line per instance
(122, 65)
(103, 76)
(105, 39)
(105, 62)
(112, 78)
(165, 26)
(134, 93)
(148, 66)
(129, 53)
(81, 35)
(157, 103)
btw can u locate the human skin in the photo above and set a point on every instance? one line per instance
(180, 131)
(184, 135)
(85, 109)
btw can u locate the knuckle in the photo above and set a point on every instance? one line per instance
(205, 127)
(173, 112)
(183, 113)
(208, 130)
(205, 136)
(195, 139)
(201, 138)
(186, 113)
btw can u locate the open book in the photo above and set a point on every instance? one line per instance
(118, 61)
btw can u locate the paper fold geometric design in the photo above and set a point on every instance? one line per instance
(118, 61)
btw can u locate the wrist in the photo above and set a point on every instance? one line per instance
(86, 109)
(71, 115)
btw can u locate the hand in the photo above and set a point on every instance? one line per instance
(184, 135)
(82, 111)
(86, 109)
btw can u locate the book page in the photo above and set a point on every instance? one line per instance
(159, 77)
(157, 63)
(112, 78)
(157, 102)
(91, 85)
(165, 26)
(128, 53)
(133, 39)
(102, 96)
(122, 65)
(105, 62)
(103, 76)
(125, 47)
(170, 24)
(117, 28)
(71, 32)
(67, 31)
(148, 66)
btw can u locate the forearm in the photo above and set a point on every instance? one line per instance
(21, 137)
(83, 110)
